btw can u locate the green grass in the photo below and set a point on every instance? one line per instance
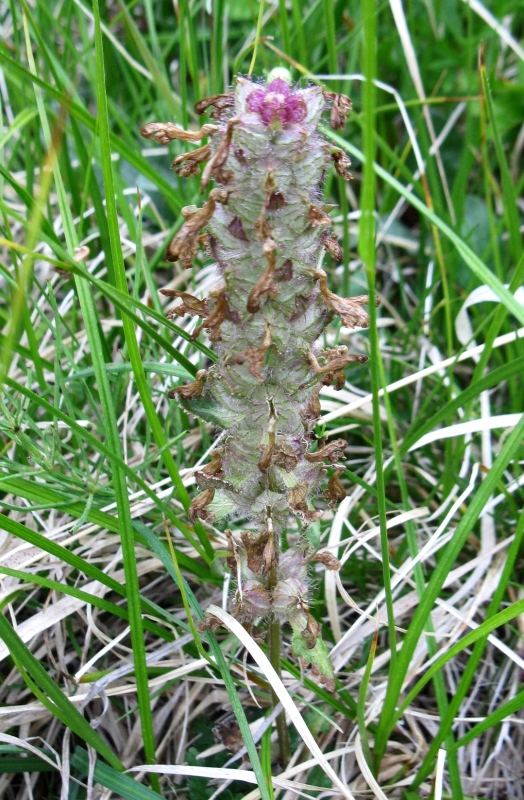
(96, 461)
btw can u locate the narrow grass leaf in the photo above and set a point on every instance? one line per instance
(49, 693)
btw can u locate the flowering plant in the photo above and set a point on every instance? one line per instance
(266, 229)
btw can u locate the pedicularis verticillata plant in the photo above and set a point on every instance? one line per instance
(267, 230)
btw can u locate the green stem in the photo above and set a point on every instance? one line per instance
(274, 646)
(274, 641)
(257, 36)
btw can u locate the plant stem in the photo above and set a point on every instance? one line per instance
(274, 642)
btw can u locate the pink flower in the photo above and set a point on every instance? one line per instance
(277, 103)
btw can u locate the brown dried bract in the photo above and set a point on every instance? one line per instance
(184, 246)
(254, 546)
(335, 492)
(298, 495)
(342, 162)
(190, 304)
(328, 559)
(285, 458)
(197, 509)
(281, 457)
(220, 157)
(339, 110)
(165, 132)
(297, 503)
(302, 303)
(349, 309)
(265, 284)
(332, 246)
(218, 102)
(332, 451)
(191, 389)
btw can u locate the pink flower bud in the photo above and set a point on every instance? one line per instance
(277, 102)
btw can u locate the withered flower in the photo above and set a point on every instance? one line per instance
(335, 365)
(317, 217)
(332, 246)
(190, 304)
(165, 132)
(342, 164)
(190, 389)
(335, 492)
(339, 110)
(349, 309)
(215, 319)
(187, 164)
(197, 509)
(332, 451)
(255, 355)
(220, 157)
(219, 103)
(328, 560)
(265, 284)
(184, 246)
(209, 623)
(214, 468)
